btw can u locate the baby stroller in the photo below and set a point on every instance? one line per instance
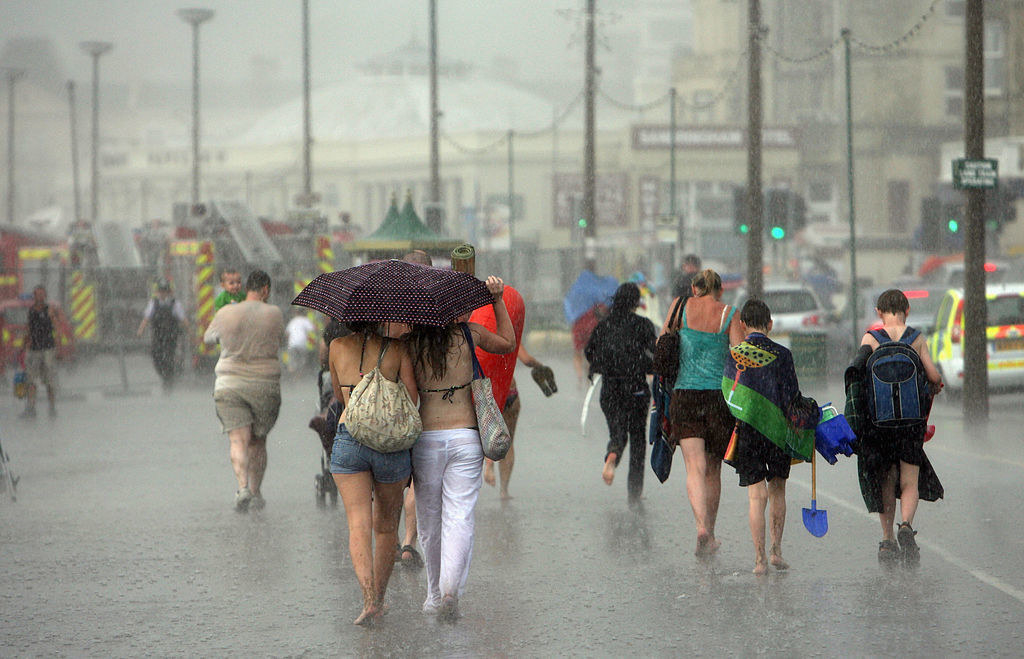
(324, 424)
(8, 481)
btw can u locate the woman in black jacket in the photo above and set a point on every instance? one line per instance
(621, 349)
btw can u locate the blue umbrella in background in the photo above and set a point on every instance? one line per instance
(586, 291)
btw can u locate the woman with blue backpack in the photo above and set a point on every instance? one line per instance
(899, 383)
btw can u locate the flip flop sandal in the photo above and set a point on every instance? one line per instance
(414, 560)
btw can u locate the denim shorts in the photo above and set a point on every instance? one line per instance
(350, 457)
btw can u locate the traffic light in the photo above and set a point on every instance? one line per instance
(953, 217)
(1000, 209)
(582, 223)
(798, 213)
(740, 216)
(778, 213)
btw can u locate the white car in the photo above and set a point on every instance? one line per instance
(794, 306)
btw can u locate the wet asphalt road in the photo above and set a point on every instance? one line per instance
(123, 542)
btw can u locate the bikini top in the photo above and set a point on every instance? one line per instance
(449, 392)
(383, 349)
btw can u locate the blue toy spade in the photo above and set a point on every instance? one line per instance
(816, 521)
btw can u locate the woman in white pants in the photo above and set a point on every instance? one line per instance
(447, 459)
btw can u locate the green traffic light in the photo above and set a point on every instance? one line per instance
(744, 228)
(778, 233)
(582, 223)
(954, 226)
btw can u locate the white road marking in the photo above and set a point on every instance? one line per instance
(949, 557)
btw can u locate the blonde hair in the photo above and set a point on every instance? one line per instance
(706, 281)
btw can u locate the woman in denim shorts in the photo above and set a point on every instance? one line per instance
(371, 484)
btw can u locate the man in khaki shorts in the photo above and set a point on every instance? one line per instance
(247, 392)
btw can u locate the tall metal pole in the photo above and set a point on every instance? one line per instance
(75, 183)
(853, 306)
(433, 216)
(589, 175)
(307, 140)
(755, 203)
(12, 77)
(680, 247)
(95, 49)
(511, 208)
(195, 18)
(975, 316)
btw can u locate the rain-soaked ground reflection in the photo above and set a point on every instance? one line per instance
(123, 543)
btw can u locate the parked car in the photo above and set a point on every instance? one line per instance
(1004, 334)
(795, 308)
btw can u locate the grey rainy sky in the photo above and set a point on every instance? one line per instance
(152, 43)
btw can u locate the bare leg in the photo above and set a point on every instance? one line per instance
(387, 509)
(257, 463)
(713, 490)
(30, 399)
(489, 471)
(777, 520)
(577, 362)
(355, 490)
(51, 395)
(410, 519)
(888, 503)
(695, 459)
(908, 492)
(757, 494)
(240, 439)
(511, 416)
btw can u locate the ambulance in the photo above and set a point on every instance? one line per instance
(1004, 337)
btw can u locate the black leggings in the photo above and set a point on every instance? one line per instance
(626, 404)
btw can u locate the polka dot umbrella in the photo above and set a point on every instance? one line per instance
(395, 291)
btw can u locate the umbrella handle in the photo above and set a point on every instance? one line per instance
(814, 480)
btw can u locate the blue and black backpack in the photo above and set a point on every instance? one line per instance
(897, 389)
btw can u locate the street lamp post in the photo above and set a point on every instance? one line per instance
(12, 77)
(195, 17)
(95, 49)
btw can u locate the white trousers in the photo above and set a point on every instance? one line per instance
(447, 466)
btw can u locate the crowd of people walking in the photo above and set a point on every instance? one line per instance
(406, 426)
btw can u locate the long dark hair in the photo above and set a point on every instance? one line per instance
(430, 347)
(626, 299)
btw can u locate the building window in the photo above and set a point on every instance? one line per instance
(956, 8)
(995, 58)
(954, 92)
(899, 206)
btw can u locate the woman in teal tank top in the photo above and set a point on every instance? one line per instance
(701, 422)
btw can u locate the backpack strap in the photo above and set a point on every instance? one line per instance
(910, 335)
(881, 336)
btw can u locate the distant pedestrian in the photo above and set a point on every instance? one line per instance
(40, 359)
(247, 391)
(166, 318)
(301, 334)
(701, 422)
(681, 282)
(448, 458)
(232, 293)
(621, 349)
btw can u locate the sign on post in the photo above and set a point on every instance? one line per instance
(983, 173)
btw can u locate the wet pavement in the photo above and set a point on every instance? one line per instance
(123, 542)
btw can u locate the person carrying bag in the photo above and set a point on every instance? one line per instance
(380, 413)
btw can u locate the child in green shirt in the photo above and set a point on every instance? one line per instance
(231, 282)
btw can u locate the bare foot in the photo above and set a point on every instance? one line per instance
(609, 469)
(449, 610)
(505, 496)
(778, 563)
(703, 540)
(489, 472)
(369, 616)
(760, 568)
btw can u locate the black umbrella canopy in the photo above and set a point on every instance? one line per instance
(395, 291)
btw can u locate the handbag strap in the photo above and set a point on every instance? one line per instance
(478, 373)
(677, 313)
(385, 341)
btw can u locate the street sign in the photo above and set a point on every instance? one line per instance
(307, 201)
(982, 173)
